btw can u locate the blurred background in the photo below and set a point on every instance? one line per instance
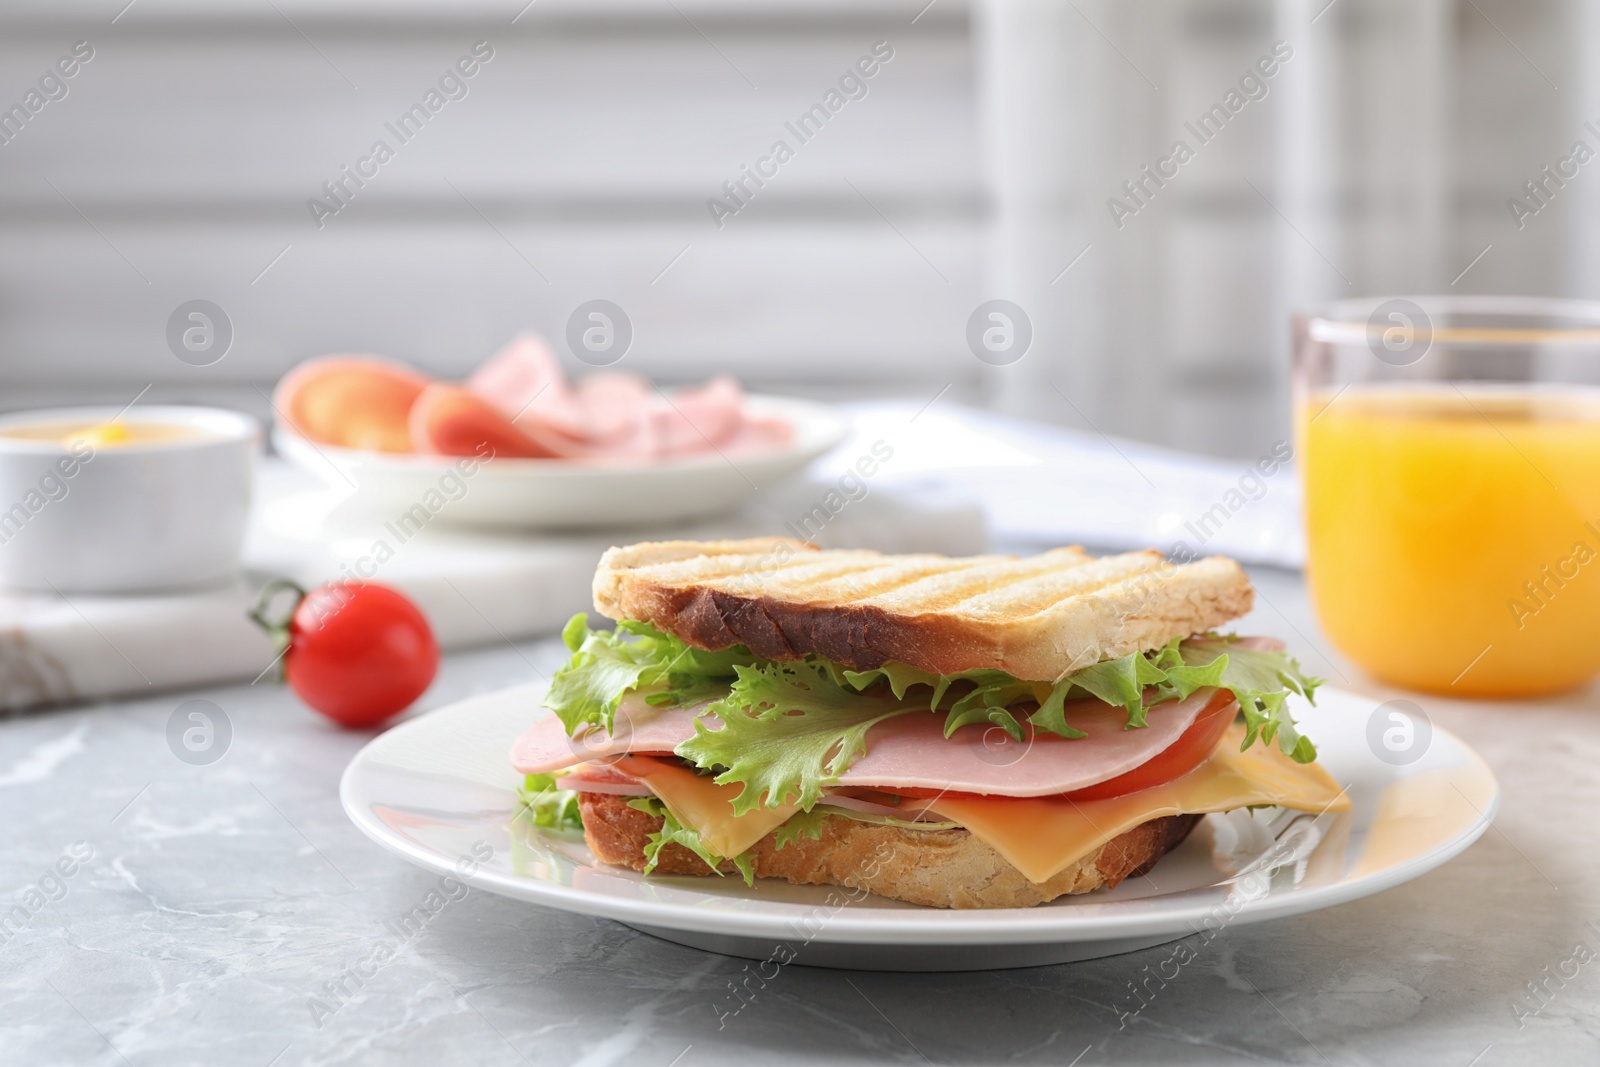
(983, 159)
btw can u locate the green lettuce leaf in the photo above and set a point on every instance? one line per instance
(1052, 715)
(1262, 681)
(809, 824)
(787, 731)
(1139, 681)
(1181, 679)
(984, 697)
(899, 676)
(1119, 681)
(800, 824)
(880, 820)
(606, 665)
(546, 806)
(746, 867)
(999, 716)
(989, 700)
(673, 832)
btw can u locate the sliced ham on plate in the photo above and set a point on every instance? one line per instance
(612, 414)
(448, 420)
(520, 404)
(700, 419)
(524, 383)
(616, 408)
(755, 434)
(909, 751)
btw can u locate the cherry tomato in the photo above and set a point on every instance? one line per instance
(358, 652)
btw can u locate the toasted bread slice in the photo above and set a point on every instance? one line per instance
(936, 868)
(1037, 618)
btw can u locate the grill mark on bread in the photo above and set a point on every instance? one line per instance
(1044, 591)
(664, 554)
(801, 568)
(945, 592)
(1036, 618)
(842, 578)
(798, 576)
(888, 574)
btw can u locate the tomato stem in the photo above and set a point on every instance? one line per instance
(277, 628)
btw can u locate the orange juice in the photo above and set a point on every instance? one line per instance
(1453, 534)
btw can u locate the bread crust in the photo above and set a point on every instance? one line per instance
(936, 868)
(1035, 618)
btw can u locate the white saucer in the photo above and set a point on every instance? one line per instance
(567, 494)
(439, 791)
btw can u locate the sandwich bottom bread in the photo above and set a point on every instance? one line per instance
(938, 868)
(988, 732)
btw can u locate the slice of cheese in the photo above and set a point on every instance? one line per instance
(1040, 836)
(704, 806)
(1043, 836)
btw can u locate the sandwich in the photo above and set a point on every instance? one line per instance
(982, 732)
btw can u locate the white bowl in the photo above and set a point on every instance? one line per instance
(567, 494)
(138, 516)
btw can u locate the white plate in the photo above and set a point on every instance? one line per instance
(565, 494)
(439, 787)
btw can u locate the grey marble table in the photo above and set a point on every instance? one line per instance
(208, 906)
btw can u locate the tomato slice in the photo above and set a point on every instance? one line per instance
(1192, 748)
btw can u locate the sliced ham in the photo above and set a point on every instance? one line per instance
(603, 777)
(908, 751)
(701, 419)
(521, 404)
(639, 729)
(1262, 644)
(585, 780)
(447, 420)
(612, 415)
(759, 434)
(911, 751)
(524, 383)
(617, 409)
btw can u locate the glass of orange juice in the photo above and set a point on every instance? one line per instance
(1450, 452)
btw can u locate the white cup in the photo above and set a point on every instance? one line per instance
(124, 516)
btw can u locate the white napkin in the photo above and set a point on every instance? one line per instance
(1043, 485)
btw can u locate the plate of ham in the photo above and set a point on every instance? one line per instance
(439, 791)
(536, 450)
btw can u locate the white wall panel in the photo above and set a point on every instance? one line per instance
(978, 165)
(180, 163)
